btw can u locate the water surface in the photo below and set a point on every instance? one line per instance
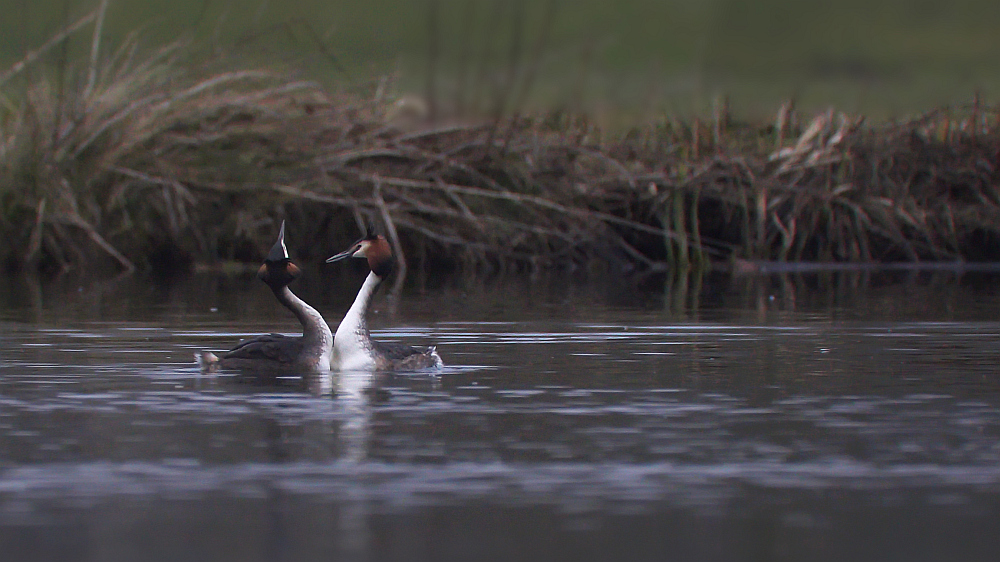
(821, 417)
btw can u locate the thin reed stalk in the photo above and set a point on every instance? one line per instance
(160, 160)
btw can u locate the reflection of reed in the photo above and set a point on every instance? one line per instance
(779, 291)
(34, 288)
(91, 295)
(682, 291)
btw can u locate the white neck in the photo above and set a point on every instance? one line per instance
(352, 347)
(316, 334)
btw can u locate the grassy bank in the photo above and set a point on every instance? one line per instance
(165, 159)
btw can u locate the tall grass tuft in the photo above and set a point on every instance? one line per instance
(161, 158)
(138, 151)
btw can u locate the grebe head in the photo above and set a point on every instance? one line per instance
(375, 249)
(278, 269)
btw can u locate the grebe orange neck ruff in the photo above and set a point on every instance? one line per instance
(353, 347)
(310, 352)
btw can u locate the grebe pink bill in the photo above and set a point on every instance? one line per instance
(309, 353)
(353, 347)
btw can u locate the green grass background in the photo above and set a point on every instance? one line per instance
(880, 57)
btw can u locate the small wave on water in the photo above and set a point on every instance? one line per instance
(391, 487)
(815, 421)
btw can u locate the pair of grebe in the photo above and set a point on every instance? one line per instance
(318, 349)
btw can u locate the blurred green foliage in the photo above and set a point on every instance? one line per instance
(881, 57)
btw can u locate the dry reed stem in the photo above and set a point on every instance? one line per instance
(56, 39)
(147, 153)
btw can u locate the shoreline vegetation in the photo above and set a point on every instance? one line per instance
(163, 161)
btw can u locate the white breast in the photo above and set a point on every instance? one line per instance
(351, 350)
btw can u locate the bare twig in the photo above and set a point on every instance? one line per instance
(390, 226)
(95, 48)
(56, 39)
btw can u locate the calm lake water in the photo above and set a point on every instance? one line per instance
(829, 416)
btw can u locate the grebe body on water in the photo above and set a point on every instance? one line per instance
(310, 352)
(353, 347)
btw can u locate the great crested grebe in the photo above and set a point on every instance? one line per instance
(310, 352)
(353, 347)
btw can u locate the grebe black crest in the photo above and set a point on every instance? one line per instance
(310, 352)
(353, 347)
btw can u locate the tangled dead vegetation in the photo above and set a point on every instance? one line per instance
(161, 161)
